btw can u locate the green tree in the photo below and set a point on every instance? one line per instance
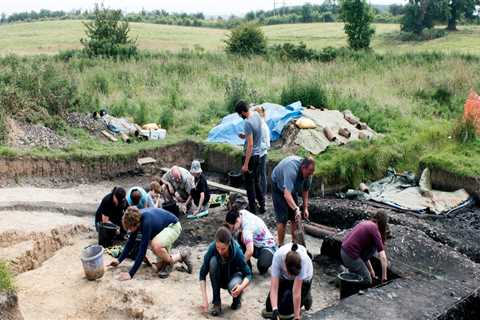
(108, 35)
(358, 17)
(246, 39)
(459, 8)
(422, 14)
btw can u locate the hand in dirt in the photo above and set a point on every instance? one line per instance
(114, 263)
(384, 279)
(236, 291)
(306, 214)
(204, 308)
(124, 276)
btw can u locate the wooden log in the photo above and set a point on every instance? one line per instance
(125, 137)
(109, 136)
(344, 132)
(361, 126)
(363, 187)
(318, 232)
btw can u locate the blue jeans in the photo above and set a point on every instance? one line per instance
(221, 278)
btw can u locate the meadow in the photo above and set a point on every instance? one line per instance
(414, 99)
(52, 36)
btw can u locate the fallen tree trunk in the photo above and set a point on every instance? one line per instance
(319, 231)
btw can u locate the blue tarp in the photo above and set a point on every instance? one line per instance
(277, 117)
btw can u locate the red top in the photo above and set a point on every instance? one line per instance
(362, 238)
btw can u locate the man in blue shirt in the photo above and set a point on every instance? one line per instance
(291, 177)
(138, 197)
(160, 229)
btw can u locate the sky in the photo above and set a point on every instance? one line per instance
(209, 7)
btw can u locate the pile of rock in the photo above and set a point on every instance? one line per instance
(85, 121)
(40, 136)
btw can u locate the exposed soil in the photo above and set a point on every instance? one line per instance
(24, 135)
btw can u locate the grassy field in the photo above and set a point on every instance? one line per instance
(52, 36)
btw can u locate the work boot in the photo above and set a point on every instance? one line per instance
(236, 303)
(307, 303)
(185, 254)
(165, 272)
(216, 310)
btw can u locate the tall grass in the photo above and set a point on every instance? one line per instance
(6, 281)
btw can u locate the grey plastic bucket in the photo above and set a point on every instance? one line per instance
(92, 261)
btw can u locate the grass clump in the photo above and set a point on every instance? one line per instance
(6, 280)
(308, 92)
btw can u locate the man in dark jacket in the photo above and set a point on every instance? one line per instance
(111, 209)
(225, 263)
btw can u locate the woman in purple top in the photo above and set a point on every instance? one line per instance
(363, 241)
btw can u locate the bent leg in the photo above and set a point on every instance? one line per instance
(357, 266)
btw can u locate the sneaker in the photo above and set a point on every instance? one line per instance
(165, 272)
(308, 301)
(236, 304)
(185, 254)
(216, 310)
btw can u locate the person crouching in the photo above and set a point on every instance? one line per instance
(225, 263)
(159, 229)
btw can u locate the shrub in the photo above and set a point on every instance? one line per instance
(141, 116)
(6, 281)
(166, 119)
(300, 52)
(237, 89)
(425, 35)
(194, 129)
(247, 39)
(108, 36)
(308, 93)
(357, 16)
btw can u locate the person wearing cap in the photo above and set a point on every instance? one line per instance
(291, 283)
(199, 194)
(177, 184)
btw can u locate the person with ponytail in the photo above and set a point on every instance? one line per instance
(111, 208)
(365, 240)
(290, 287)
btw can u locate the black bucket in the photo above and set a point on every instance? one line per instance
(171, 207)
(235, 179)
(106, 234)
(350, 284)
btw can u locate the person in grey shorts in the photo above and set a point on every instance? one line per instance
(291, 177)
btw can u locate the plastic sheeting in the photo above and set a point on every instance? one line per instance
(277, 117)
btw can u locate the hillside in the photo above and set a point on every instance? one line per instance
(51, 36)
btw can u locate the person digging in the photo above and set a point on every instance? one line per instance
(111, 210)
(176, 186)
(290, 178)
(225, 263)
(199, 194)
(160, 229)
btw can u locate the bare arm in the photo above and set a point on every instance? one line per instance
(170, 188)
(274, 292)
(288, 196)
(384, 263)
(305, 204)
(248, 153)
(249, 252)
(203, 289)
(201, 200)
(297, 297)
(105, 219)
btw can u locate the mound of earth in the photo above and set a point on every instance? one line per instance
(23, 135)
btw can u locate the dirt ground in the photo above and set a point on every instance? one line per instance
(44, 250)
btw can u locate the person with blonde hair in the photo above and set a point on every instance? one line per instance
(159, 229)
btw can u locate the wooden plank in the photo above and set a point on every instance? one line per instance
(318, 232)
(218, 185)
(144, 161)
(109, 136)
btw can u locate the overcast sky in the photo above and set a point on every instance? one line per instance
(209, 7)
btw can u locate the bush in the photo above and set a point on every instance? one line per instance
(6, 281)
(357, 16)
(108, 36)
(247, 39)
(425, 35)
(308, 93)
(166, 118)
(300, 52)
(237, 89)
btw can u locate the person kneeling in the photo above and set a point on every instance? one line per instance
(292, 273)
(225, 263)
(160, 229)
(254, 237)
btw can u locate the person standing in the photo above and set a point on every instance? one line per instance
(291, 177)
(365, 240)
(262, 167)
(291, 283)
(225, 263)
(251, 159)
